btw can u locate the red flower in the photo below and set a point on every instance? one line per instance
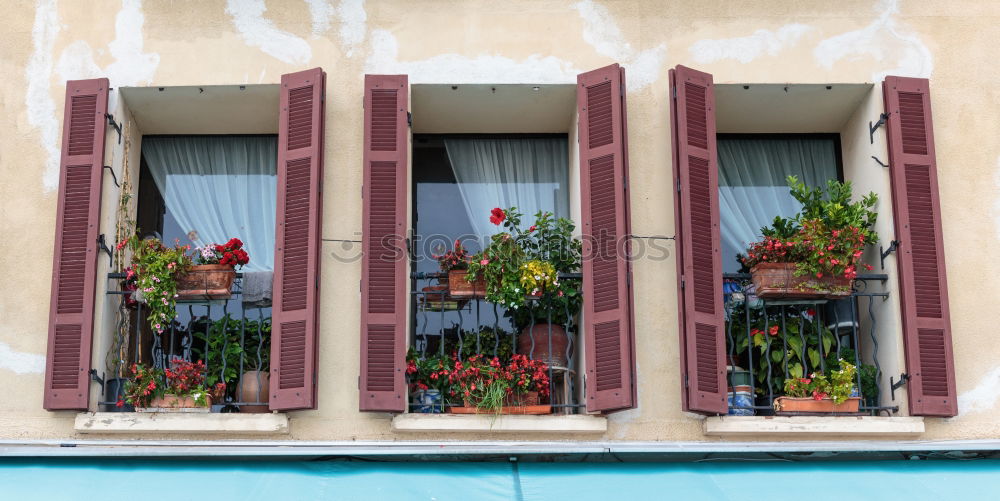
(811, 312)
(533, 228)
(773, 330)
(497, 215)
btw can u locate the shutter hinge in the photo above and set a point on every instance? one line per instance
(687, 381)
(682, 282)
(103, 246)
(409, 119)
(674, 91)
(678, 186)
(625, 181)
(628, 280)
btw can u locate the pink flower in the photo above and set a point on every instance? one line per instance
(484, 262)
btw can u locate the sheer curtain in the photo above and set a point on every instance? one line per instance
(752, 186)
(530, 173)
(219, 187)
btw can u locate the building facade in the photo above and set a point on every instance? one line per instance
(356, 106)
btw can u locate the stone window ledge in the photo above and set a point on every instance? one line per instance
(186, 423)
(761, 426)
(413, 422)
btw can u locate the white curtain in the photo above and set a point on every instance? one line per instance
(220, 187)
(752, 186)
(531, 174)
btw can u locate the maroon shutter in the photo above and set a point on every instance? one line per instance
(922, 282)
(607, 281)
(383, 267)
(74, 268)
(294, 314)
(699, 263)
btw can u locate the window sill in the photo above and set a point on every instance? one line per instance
(813, 425)
(413, 422)
(186, 423)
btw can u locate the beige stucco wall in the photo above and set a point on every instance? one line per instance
(204, 43)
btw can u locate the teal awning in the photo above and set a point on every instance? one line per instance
(53, 479)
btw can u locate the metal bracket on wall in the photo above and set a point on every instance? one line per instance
(113, 176)
(874, 127)
(102, 245)
(117, 126)
(893, 386)
(98, 379)
(884, 253)
(879, 162)
(409, 119)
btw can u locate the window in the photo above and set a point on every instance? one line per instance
(457, 178)
(727, 339)
(211, 168)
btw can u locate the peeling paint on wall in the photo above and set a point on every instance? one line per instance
(20, 362)
(456, 68)
(38, 99)
(748, 48)
(983, 397)
(882, 40)
(131, 66)
(320, 11)
(248, 18)
(602, 32)
(353, 24)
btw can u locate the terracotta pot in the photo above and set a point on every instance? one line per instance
(254, 386)
(539, 333)
(458, 286)
(171, 402)
(206, 281)
(778, 281)
(435, 293)
(796, 405)
(525, 403)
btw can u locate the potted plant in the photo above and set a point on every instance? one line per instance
(427, 376)
(488, 386)
(455, 263)
(211, 277)
(234, 346)
(817, 253)
(181, 386)
(521, 269)
(155, 268)
(820, 394)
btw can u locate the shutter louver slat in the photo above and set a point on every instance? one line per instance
(699, 267)
(384, 283)
(607, 298)
(920, 258)
(74, 270)
(295, 310)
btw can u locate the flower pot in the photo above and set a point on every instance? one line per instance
(518, 403)
(778, 281)
(785, 406)
(458, 286)
(738, 376)
(428, 402)
(206, 281)
(173, 403)
(537, 337)
(254, 387)
(740, 401)
(437, 298)
(114, 391)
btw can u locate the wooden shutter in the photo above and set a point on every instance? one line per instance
(920, 257)
(295, 305)
(699, 263)
(383, 267)
(607, 280)
(74, 268)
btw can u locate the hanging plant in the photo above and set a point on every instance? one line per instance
(156, 267)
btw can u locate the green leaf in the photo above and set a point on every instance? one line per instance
(776, 356)
(827, 342)
(814, 357)
(796, 345)
(795, 370)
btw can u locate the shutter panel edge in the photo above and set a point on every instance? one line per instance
(923, 284)
(381, 384)
(608, 320)
(295, 305)
(702, 325)
(71, 309)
